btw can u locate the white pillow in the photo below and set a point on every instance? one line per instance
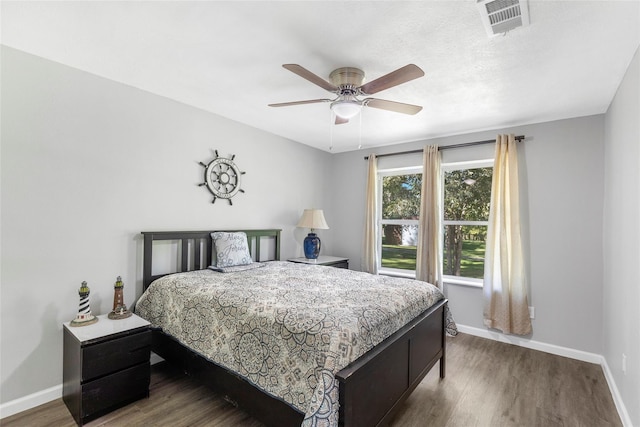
(231, 249)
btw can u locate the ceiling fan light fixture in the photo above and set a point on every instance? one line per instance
(346, 109)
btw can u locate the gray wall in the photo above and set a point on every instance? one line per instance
(622, 239)
(561, 172)
(87, 164)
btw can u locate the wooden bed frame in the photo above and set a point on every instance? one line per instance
(371, 389)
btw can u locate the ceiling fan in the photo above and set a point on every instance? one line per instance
(347, 84)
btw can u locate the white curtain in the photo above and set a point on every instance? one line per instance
(505, 287)
(371, 238)
(429, 257)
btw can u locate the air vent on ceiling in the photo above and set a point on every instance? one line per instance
(500, 16)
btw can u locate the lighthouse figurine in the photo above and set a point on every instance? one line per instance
(84, 316)
(119, 308)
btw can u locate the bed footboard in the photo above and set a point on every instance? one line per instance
(374, 386)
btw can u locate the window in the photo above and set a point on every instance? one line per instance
(467, 196)
(466, 200)
(400, 199)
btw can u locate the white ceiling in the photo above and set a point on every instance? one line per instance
(226, 57)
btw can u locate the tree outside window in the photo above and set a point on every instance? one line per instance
(467, 196)
(400, 211)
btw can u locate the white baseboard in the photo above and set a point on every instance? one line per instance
(615, 393)
(45, 396)
(534, 345)
(559, 351)
(31, 401)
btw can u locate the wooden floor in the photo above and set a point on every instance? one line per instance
(487, 384)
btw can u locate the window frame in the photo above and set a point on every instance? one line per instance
(447, 167)
(407, 170)
(382, 173)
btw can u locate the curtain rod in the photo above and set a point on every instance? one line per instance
(445, 147)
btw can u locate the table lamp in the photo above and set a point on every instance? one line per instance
(312, 219)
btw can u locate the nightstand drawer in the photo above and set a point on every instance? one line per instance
(110, 356)
(340, 264)
(326, 260)
(100, 395)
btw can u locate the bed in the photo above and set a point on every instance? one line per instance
(366, 369)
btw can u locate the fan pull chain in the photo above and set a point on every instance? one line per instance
(331, 130)
(360, 129)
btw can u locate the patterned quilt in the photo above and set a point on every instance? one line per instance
(288, 328)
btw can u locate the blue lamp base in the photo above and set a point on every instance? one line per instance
(311, 246)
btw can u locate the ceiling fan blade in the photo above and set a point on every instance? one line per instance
(340, 120)
(310, 101)
(398, 107)
(308, 75)
(394, 78)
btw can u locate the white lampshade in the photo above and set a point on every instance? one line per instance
(313, 218)
(346, 109)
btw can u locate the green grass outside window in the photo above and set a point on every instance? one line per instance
(404, 258)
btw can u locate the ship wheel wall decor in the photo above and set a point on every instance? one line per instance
(222, 178)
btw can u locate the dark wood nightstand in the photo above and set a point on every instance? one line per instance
(332, 261)
(106, 366)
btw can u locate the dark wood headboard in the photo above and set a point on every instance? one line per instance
(195, 249)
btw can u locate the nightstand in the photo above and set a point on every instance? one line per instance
(106, 365)
(332, 261)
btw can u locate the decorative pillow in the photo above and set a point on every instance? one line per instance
(231, 249)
